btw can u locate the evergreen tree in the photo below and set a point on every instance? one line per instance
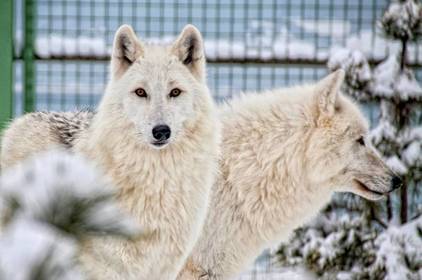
(49, 205)
(400, 97)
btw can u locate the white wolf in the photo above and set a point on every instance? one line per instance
(156, 135)
(284, 153)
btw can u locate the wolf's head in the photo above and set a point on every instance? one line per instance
(160, 90)
(340, 153)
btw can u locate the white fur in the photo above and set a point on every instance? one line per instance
(284, 153)
(166, 188)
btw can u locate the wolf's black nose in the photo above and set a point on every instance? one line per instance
(161, 132)
(396, 182)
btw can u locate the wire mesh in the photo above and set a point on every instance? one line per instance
(251, 45)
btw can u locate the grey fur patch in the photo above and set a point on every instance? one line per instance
(66, 126)
(69, 124)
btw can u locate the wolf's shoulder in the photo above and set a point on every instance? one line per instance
(68, 125)
(67, 120)
(64, 126)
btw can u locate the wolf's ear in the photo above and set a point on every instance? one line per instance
(126, 49)
(189, 48)
(327, 91)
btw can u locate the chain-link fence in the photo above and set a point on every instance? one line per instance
(61, 47)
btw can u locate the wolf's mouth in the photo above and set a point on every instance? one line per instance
(160, 144)
(363, 188)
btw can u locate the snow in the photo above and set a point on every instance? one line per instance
(397, 165)
(265, 45)
(343, 275)
(375, 46)
(345, 245)
(48, 203)
(296, 49)
(408, 86)
(338, 58)
(26, 245)
(358, 71)
(56, 179)
(390, 81)
(82, 46)
(416, 133)
(281, 48)
(323, 245)
(385, 76)
(413, 154)
(402, 20)
(383, 131)
(396, 247)
(225, 49)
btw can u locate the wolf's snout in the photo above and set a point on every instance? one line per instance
(161, 132)
(396, 182)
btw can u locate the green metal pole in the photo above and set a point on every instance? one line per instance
(28, 55)
(6, 65)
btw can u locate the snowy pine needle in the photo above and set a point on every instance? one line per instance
(342, 246)
(356, 66)
(403, 20)
(393, 83)
(48, 204)
(67, 192)
(33, 250)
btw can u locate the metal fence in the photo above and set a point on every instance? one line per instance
(61, 47)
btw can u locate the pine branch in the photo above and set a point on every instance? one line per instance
(415, 217)
(53, 202)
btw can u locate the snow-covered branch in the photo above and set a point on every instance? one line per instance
(49, 204)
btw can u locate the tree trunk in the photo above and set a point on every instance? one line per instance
(389, 209)
(403, 200)
(403, 54)
(401, 123)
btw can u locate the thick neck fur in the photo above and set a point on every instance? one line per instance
(264, 191)
(276, 132)
(113, 141)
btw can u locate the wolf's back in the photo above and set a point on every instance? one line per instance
(41, 131)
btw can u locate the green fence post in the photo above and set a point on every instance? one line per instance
(28, 55)
(6, 65)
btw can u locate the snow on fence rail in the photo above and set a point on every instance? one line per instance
(283, 47)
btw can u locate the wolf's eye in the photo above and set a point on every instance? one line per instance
(361, 141)
(141, 92)
(175, 92)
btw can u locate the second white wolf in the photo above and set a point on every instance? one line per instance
(284, 153)
(156, 135)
